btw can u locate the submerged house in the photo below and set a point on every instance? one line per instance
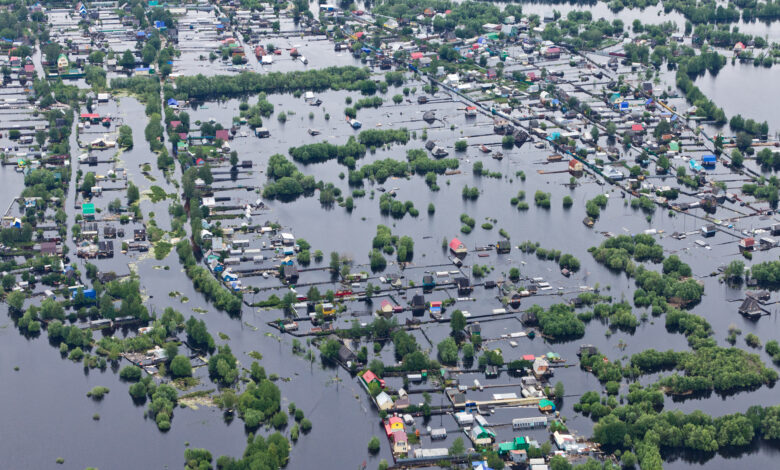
(750, 308)
(457, 247)
(418, 304)
(464, 286)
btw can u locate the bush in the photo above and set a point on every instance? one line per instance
(130, 373)
(542, 199)
(97, 393)
(373, 445)
(180, 367)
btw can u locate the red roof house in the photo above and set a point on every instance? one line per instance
(369, 377)
(747, 243)
(222, 134)
(457, 247)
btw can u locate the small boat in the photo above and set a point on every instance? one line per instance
(313, 132)
(294, 52)
(355, 123)
(498, 155)
(304, 60)
(422, 99)
(484, 149)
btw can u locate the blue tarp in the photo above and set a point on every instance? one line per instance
(159, 24)
(173, 102)
(366, 50)
(88, 293)
(624, 105)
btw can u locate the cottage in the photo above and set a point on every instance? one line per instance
(48, 248)
(384, 401)
(747, 244)
(106, 249)
(88, 211)
(482, 436)
(546, 405)
(328, 309)
(464, 286)
(552, 53)
(503, 246)
(576, 167)
(418, 304)
(400, 442)
(708, 230)
(457, 247)
(540, 366)
(290, 273)
(109, 231)
(750, 308)
(368, 377)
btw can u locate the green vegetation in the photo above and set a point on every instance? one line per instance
(97, 393)
(378, 138)
(559, 321)
(324, 151)
(542, 199)
(224, 86)
(593, 207)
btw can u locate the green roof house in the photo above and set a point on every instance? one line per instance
(88, 211)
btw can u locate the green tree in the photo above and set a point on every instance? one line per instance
(448, 351)
(132, 193)
(457, 322)
(180, 367)
(373, 445)
(457, 447)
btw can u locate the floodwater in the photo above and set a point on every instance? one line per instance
(744, 89)
(330, 397)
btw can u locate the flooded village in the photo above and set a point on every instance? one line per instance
(405, 234)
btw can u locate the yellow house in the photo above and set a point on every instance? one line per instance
(62, 63)
(328, 309)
